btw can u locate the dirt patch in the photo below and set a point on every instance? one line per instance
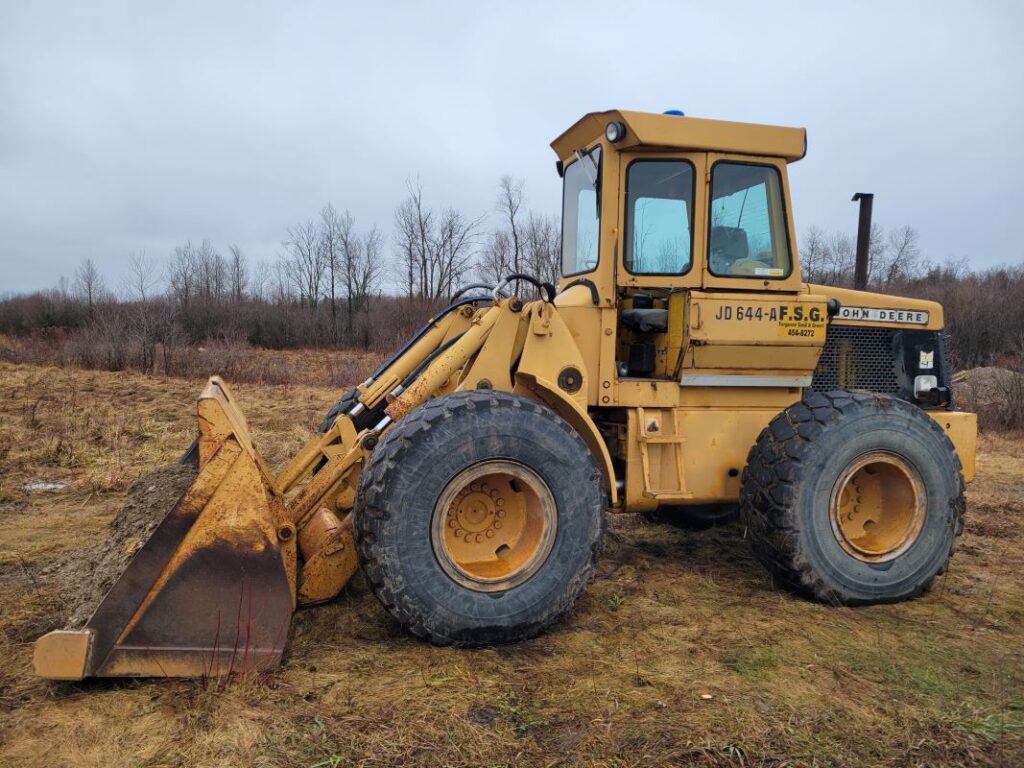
(85, 576)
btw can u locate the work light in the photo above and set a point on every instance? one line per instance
(614, 131)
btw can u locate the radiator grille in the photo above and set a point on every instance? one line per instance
(857, 358)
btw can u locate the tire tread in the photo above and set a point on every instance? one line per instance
(373, 512)
(769, 487)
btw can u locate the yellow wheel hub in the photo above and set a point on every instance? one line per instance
(494, 525)
(878, 506)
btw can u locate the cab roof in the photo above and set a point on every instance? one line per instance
(646, 129)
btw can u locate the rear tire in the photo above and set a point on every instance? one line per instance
(438, 471)
(853, 498)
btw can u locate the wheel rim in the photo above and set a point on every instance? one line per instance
(494, 525)
(878, 506)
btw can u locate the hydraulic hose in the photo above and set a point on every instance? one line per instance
(429, 324)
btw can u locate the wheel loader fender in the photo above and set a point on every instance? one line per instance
(552, 370)
(962, 430)
(548, 393)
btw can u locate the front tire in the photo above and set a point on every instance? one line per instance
(479, 519)
(853, 498)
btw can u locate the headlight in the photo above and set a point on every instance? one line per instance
(924, 384)
(615, 131)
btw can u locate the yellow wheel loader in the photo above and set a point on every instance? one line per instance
(681, 364)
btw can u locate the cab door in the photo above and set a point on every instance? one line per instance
(661, 240)
(750, 324)
(658, 260)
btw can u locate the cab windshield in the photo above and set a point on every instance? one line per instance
(581, 218)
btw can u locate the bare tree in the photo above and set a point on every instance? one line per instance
(532, 246)
(422, 225)
(452, 251)
(892, 256)
(143, 275)
(365, 271)
(305, 262)
(903, 254)
(542, 247)
(282, 285)
(812, 254)
(334, 230)
(262, 280)
(435, 250)
(878, 251)
(496, 257)
(238, 273)
(840, 256)
(510, 200)
(211, 273)
(181, 274)
(407, 239)
(89, 284)
(351, 266)
(146, 317)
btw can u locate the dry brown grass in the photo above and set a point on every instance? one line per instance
(234, 360)
(672, 617)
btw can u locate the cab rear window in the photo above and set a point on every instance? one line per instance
(748, 235)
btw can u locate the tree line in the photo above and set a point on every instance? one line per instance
(984, 308)
(337, 284)
(894, 257)
(327, 279)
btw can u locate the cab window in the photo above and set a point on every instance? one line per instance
(659, 217)
(581, 214)
(748, 236)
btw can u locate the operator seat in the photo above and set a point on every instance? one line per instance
(728, 246)
(646, 320)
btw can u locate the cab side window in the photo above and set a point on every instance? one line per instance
(659, 217)
(748, 236)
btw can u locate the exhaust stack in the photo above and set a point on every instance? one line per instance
(860, 270)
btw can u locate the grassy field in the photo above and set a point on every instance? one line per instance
(682, 651)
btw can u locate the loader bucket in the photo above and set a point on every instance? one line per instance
(213, 589)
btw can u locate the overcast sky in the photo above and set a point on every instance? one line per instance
(137, 126)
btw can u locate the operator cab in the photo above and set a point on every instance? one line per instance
(656, 207)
